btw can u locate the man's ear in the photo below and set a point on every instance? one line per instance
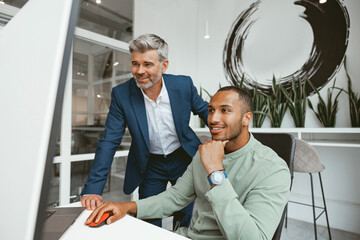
(165, 65)
(247, 117)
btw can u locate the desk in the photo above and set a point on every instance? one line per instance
(126, 228)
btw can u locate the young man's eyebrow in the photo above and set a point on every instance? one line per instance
(223, 106)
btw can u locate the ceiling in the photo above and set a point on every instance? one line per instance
(112, 18)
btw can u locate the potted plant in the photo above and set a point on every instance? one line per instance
(326, 111)
(354, 101)
(276, 106)
(296, 101)
(259, 107)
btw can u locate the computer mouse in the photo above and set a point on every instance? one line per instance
(102, 220)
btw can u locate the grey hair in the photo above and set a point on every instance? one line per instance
(150, 41)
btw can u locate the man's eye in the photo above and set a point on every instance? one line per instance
(135, 64)
(211, 110)
(225, 110)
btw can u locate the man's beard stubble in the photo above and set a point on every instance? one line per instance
(148, 85)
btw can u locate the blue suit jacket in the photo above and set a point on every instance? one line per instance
(128, 109)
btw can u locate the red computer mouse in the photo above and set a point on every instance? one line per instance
(102, 220)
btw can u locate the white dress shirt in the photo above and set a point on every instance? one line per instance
(162, 132)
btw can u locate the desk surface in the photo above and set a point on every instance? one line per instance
(125, 228)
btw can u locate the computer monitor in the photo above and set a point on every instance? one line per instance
(35, 48)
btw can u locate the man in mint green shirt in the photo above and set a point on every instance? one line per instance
(241, 186)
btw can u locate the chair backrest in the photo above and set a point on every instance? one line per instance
(284, 145)
(306, 158)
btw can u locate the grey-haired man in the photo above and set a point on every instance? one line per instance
(156, 109)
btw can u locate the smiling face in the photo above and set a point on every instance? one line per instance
(146, 68)
(227, 120)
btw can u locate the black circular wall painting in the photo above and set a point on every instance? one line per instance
(301, 39)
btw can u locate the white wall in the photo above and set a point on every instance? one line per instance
(160, 17)
(182, 24)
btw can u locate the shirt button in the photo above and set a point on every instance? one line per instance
(142, 172)
(199, 221)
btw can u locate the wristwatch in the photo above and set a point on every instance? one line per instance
(217, 177)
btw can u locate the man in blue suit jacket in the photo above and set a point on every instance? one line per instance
(156, 108)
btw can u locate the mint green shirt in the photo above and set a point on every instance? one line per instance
(248, 205)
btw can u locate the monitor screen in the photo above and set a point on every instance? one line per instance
(35, 48)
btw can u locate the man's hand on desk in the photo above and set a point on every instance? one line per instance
(117, 210)
(91, 201)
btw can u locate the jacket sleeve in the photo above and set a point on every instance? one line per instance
(198, 105)
(106, 147)
(256, 218)
(169, 201)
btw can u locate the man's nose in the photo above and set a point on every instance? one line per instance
(214, 117)
(140, 70)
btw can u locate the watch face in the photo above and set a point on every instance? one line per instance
(217, 177)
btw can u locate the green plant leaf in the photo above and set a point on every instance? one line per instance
(326, 111)
(296, 101)
(354, 100)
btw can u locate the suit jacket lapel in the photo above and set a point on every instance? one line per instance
(175, 102)
(137, 101)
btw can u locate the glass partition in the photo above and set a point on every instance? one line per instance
(113, 19)
(113, 190)
(96, 70)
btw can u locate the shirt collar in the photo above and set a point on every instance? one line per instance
(163, 92)
(242, 151)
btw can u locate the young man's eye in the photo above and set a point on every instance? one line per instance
(225, 110)
(211, 110)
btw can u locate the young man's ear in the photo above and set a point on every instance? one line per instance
(247, 117)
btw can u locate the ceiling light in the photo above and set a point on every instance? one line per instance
(98, 96)
(115, 64)
(98, 1)
(206, 36)
(2, 2)
(322, 1)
